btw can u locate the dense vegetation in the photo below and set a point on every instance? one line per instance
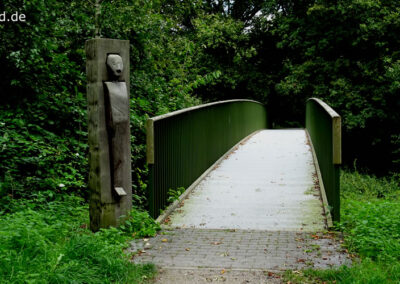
(184, 53)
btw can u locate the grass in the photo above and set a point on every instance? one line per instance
(366, 272)
(50, 243)
(371, 226)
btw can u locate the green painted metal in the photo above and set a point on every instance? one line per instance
(324, 127)
(182, 145)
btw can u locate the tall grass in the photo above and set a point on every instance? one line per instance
(50, 243)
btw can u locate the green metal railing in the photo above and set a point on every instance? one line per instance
(181, 145)
(324, 128)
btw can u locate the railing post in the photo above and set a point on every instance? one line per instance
(323, 126)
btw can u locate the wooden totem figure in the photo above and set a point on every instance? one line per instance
(109, 134)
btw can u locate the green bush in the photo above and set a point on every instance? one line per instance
(140, 224)
(371, 216)
(373, 228)
(357, 186)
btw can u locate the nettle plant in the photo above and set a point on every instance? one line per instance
(174, 194)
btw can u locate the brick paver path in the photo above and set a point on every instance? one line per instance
(254, 253)
(240, 249)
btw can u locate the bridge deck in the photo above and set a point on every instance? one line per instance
(257, 210)
(266, 183)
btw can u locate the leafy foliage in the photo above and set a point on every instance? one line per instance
(362, 187)
(183, 52)
(174, 194)
(371, 216)
(373, 228)
(140, 224)
(43, 115)
(29, 151)
(345, 53)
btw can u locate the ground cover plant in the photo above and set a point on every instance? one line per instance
(371, 227)
(50, 243)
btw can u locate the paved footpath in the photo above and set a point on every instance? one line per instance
(218, 254)
(257, 213)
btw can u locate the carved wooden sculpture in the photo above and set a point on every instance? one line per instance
(117, 112)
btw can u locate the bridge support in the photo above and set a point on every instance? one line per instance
(110, 184)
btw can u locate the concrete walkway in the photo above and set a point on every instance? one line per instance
(259, 210)
(268, 183)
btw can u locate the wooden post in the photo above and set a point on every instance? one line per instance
(110, 181)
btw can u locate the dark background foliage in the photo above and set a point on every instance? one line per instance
(187, 52)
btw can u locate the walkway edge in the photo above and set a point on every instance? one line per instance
(184, 195)
(328, 215)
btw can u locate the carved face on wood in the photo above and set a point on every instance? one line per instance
(115, 65)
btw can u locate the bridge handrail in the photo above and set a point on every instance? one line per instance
(336, 130)
(323, 125)
(151, 120)
(182, 144)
